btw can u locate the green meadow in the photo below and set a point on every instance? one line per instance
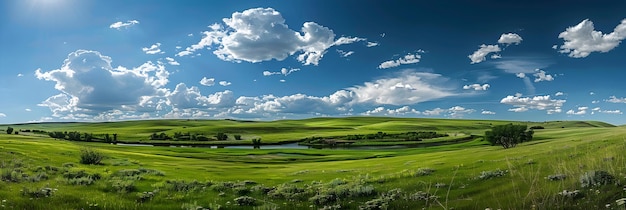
(567, 165)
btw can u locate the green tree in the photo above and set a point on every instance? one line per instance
(221, 136)
(237, 137)
(9, 130)
(508, 135)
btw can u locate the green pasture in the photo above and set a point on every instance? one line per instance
(437, 177)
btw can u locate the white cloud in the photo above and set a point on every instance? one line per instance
(118, 25)
(520, 75)
(476, 87)
(592, 93)
(282, 80)
(88, 84)
(580, 111)
(496, 56)
(188, 98)
(20, 75)
(154, 49)
(434, 112)
(261, 34)
(459, 111)
(518, 109)
(225, 83)
(617, 111)
(582, 39)
(2, 114)
(541, 75)
(595, 101)
(407, 87)
(345, 53)
(510, 38)
(171, 61)
(372, 44)
(28, 110)
(559, 93)
(555, 47)
(283, 71)
(614, 99)
(207, 81)
(487, 112)
(523, 104)
(481, 54)
(347, 40)
(392, 112)
(407, 59)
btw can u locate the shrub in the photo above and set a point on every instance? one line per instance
(38, 177)
(128, 172)
(556, 177)
(596, 178)
(146, 196)
(122, 185)
(424, 171)
(80, 177)
(492, 174)
(11, 175)
(90, 157)
(184, 186)
(151, 172)
(245, 201)
(323, 199)
(68, 165)
(237, 137)
(38, 193)
(576, 194)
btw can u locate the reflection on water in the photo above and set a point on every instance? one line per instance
(278, 146)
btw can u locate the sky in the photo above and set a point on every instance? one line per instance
(87, 60)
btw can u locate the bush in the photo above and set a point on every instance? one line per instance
(556, 177)
(237, 137)
(184, 186)
(146, 196)
(596, 178)
(492, 174)
(122, 185)
(245, 201)
(38, 193)
(90, 157)
(11, 175)
(80, 177)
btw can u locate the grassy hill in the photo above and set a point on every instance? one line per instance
(42, 173)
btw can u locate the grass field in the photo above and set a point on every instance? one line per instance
(42, 173)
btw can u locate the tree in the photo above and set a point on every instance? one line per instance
(9, 130)
(508, 135)
(221, 136)
(237, 137)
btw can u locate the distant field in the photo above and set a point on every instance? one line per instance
(439, 177)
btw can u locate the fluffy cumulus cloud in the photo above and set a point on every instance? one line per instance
(522, 104)
(283, 71)
(582, 39)
(559, 93)
(476, 87)
(119, 25)
(154, 49)
(541, 75)
(614, 99)
(224, 83)
(207, 81)
(89, 85)
(407, 87)
(482, 52)
(185, 98)
(261, 34)
(510, 38)
(407, 59)
(487, 112)
(580, 111)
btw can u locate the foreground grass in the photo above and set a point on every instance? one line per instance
(446, 176)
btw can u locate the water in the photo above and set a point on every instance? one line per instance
(277, 146)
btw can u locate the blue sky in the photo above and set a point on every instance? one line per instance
(71, 60)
